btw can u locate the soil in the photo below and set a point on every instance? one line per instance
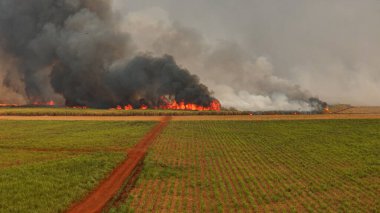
(108, 188)
(360, 110)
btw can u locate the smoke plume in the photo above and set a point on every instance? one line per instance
(238, 79)
(329, 48)
(94, 53)
(75, 52)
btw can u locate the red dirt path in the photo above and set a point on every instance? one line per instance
(98, 199)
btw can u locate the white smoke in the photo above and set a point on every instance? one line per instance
(237, 80)
(328, 47)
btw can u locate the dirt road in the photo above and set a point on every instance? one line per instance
(98, 199)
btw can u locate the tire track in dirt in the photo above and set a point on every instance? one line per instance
(107, 189)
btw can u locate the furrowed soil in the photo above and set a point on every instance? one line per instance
(271, 166)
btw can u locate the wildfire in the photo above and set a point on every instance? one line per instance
(326, 110)
(9, 105)
(128, 107)
(144, 107)
(36, 103)
(167, 104)
(173, 105)
(49, 103)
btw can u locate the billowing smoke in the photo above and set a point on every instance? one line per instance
(74, 51)
(330, 48)
(238, 79)
(140, 81)
(86, 53)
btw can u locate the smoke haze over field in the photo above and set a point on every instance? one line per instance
(253, 55)
(329, 48)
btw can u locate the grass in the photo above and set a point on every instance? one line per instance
(12, 157)
(71, 134)
(41, 170)
(53, 186)
(21, 111)
(215, 166)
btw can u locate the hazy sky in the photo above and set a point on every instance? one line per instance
(330, 48)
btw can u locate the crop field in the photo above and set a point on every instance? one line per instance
(45, 166)
(339, 108)
(240, 166)
(51, 111)
(361, 110)
(194, 165)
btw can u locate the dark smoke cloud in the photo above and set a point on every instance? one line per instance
(75, 48)
(143, 80)
(150, 78)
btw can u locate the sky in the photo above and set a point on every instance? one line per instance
(259, 54)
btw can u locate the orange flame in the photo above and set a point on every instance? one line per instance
(128, 107)
(143, 107)
(49, 103)
(214, 105)
(9, 105)
(167, 104)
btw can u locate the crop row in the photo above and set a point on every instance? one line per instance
(46, 166)
(316, 166)
(20, 111)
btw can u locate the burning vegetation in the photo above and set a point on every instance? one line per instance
(171, 104)
(73, 53)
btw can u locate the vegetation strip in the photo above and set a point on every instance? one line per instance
(271, 166)
(98, 199)
(64, 149)
(335, 116)
(47, 111)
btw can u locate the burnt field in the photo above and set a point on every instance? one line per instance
(360, 110)
(196, 164)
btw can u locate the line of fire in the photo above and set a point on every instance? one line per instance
(164, 104)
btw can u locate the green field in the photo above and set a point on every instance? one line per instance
(195, 166)
(43, 167)
(274, 166)
(20, 111)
